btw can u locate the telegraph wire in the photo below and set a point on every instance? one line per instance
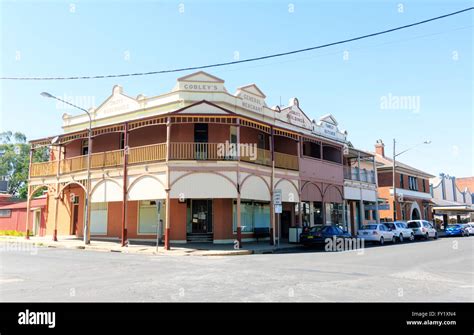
(248, 60)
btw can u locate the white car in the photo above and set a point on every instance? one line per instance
(399, 228)
(376, 233)
(469, 227)
(422, 229)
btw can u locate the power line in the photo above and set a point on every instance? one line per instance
(244, 60)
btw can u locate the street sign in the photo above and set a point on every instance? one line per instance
(277, 197)
(278, 209)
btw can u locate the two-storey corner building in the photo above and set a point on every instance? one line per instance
(414, 200)
(360, 188)
(451, 205)
(210, 160)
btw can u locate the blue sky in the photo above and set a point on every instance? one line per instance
(431, 64)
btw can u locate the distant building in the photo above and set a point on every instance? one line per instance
(451, 204)
(412, 188)
(13, 215)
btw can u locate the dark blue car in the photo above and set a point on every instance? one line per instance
(317, 235)
(455, 230)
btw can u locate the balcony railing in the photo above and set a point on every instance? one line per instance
(364, 175)
(261, 156)
(286, 161)
(147, 153)
(44, 169)
(195, 151)
(156, 153)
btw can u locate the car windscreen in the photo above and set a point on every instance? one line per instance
(369, 226)
(389, 225)
(454, 226)
(316, 229)
(413, 224)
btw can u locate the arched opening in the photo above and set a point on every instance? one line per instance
(415, 214)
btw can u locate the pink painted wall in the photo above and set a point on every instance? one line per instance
(316, 169)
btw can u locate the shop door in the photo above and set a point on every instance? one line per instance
(200, 139)
(201, 216)
(285, 224)
(75, 218)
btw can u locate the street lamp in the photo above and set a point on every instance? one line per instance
(393, 175)
(89, 149)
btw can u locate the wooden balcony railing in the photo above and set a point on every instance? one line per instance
(147, 153)
(73, 164)
(286, 161)
(195, 151)
(263, 157)
(107, 159)
(44, 169)
(156, 153)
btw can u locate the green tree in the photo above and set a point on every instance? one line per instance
(15, 159)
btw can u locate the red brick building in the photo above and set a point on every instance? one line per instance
(412, 185)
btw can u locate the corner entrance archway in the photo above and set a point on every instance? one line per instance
(415, 214)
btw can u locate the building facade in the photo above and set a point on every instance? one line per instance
(414, 200)
(360, 189)
(203, 162)
(451, 204)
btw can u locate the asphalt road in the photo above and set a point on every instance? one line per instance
(441, 270)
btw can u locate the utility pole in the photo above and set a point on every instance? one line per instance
(394, 186)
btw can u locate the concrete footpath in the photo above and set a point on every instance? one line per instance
(149, 248)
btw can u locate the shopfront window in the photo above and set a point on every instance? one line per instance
(99, 218)
(317, 213)
(333, 213)
(252, 214)
(148, 217)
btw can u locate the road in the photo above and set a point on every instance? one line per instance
(441, 270)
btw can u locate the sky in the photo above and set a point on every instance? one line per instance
(429, 66)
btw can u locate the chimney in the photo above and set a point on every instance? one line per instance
(380, 148)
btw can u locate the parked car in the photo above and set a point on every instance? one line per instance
(470, 227)
(376, 233)
(422, 229)
(456, 230)
(317, 235)
(401, 231)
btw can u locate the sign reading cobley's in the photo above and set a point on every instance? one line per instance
(200, 87)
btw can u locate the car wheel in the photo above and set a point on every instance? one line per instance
(412, 237)
(436, 236)
(381, 240)
(427, 236)
(400, 238)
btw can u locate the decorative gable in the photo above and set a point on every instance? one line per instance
(294, 115)
(251, 98)
(117, 103)
(200, 82)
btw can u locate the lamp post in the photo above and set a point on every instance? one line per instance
(89, 149)
(393, 175)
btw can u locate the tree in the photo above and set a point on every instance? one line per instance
(15, 160)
